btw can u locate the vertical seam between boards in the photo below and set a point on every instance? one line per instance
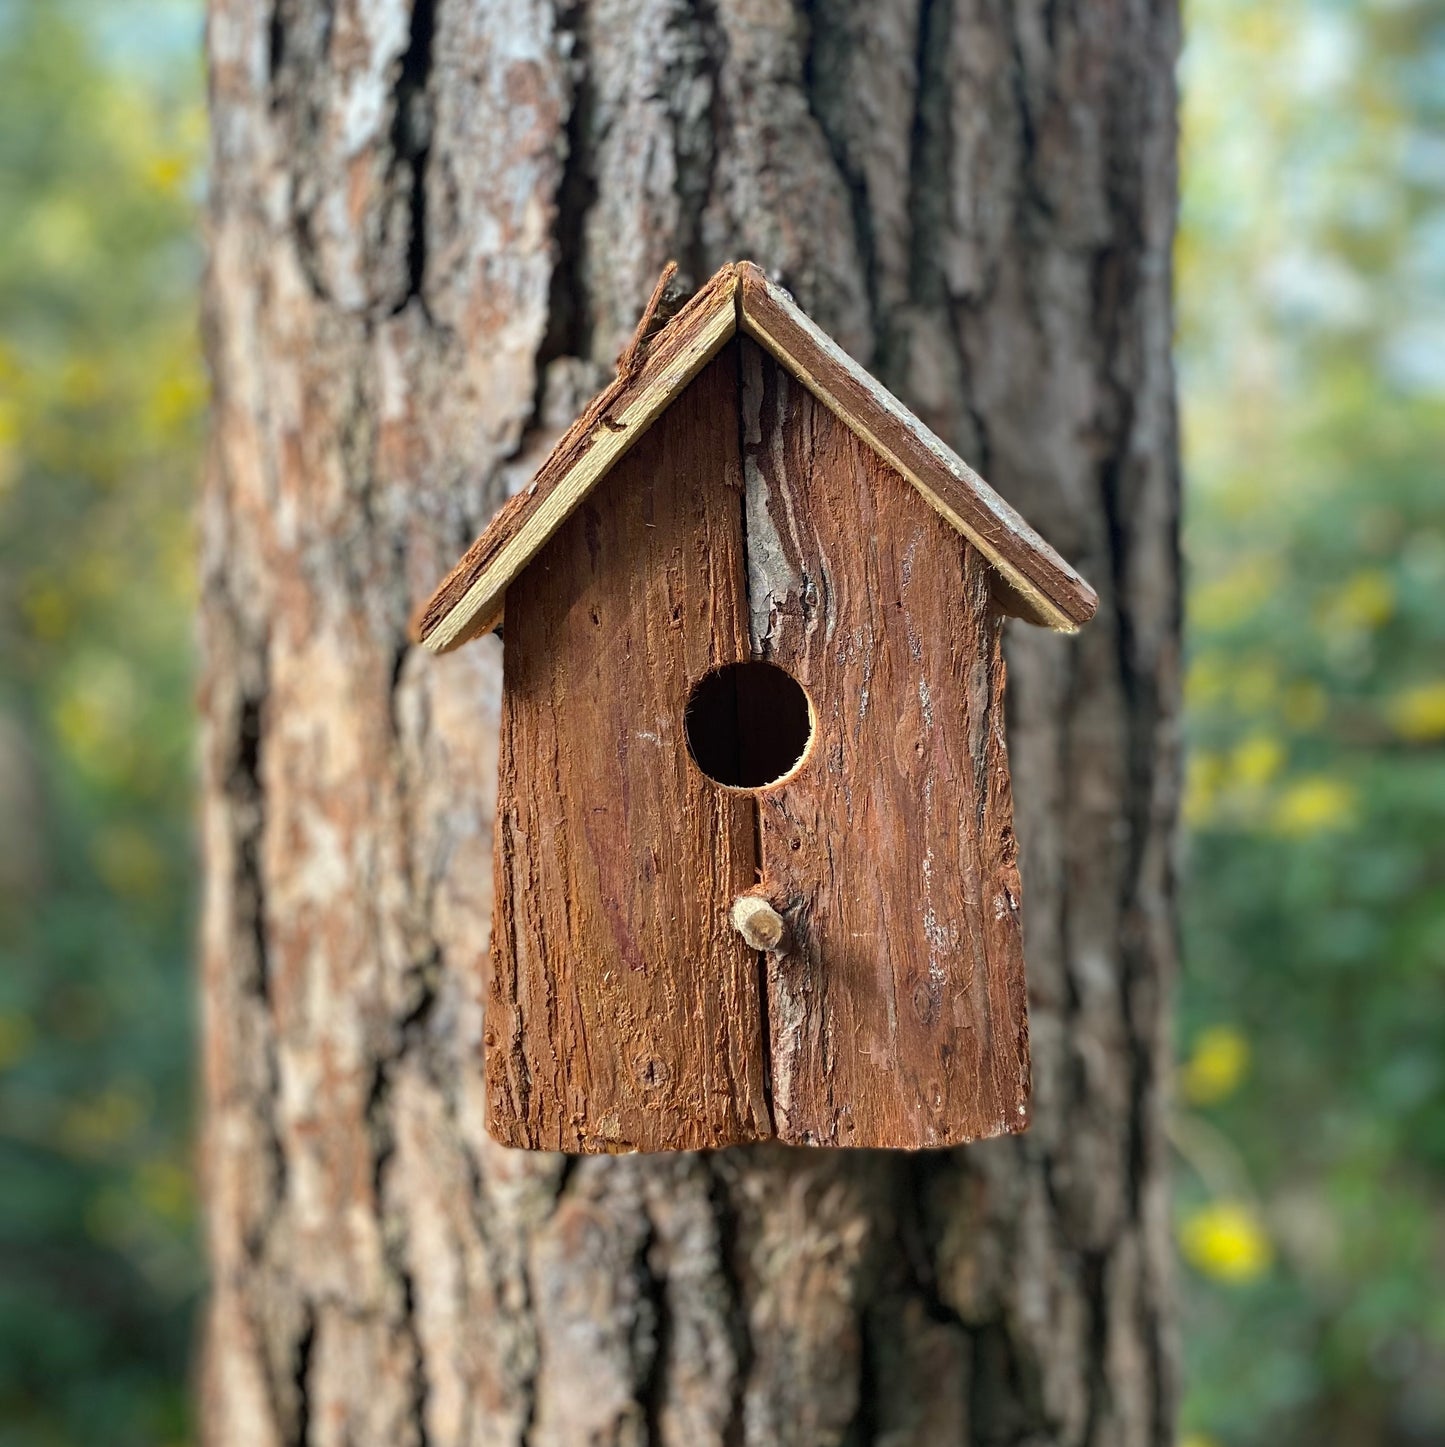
(760, 956)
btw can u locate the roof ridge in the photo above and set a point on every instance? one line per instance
(655, 366)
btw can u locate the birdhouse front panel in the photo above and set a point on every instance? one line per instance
(755, 867)
(898, 1014)
(623, 1008)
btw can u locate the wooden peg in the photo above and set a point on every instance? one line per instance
(759, 923)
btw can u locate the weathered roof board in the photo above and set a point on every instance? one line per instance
(1043, 588)
(469, 601)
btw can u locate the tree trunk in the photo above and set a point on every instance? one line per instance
(433, 224)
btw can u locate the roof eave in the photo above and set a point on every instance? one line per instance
(1040, 585)
(1033, 581)
(469, 601)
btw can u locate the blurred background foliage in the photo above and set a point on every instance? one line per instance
(102, 136)
(1310, 1121)
(1310, 1117)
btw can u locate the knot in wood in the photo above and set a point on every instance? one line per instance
(760, 925)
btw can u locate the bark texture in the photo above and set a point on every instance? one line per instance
(433, 225)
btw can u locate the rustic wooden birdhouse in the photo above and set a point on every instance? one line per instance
(755, 865)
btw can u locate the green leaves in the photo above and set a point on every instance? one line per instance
(1314, 890)
(101, 398)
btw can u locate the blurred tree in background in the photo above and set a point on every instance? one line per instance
(101, 396)
(1311, 1122)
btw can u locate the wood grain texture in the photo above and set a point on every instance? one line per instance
(469, 600)
(1046, 589)
(623, 1010)
(1033, 581)
(898, 1012)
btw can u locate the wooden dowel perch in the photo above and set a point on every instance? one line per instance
(760, 925)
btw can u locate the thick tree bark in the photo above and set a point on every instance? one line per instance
(433, 223)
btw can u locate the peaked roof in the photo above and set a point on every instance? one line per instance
(1039, 585)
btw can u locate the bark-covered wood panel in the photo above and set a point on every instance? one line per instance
(623, 1008)
(898, 1014)
(1031, 579)
(432, 225)
(650, 373)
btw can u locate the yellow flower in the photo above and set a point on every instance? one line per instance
(1418, 714)
(1225, 1240)
(1225, 601)
(176, 398)
(1216, 1066)
(1197, 1439)
(95, 717)
(1204, 775)
(1314, 804)
(165, 1188)
(177, 559)
(1366, 601)
(1257, 760)
(1206, 680)
(9, 443)
(168, 173)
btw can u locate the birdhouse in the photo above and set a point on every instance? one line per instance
(755, 866)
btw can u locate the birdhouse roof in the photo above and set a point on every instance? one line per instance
(1038, 584)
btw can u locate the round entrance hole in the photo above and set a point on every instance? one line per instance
(748, 724)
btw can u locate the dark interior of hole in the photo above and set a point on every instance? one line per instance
(747, 724)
